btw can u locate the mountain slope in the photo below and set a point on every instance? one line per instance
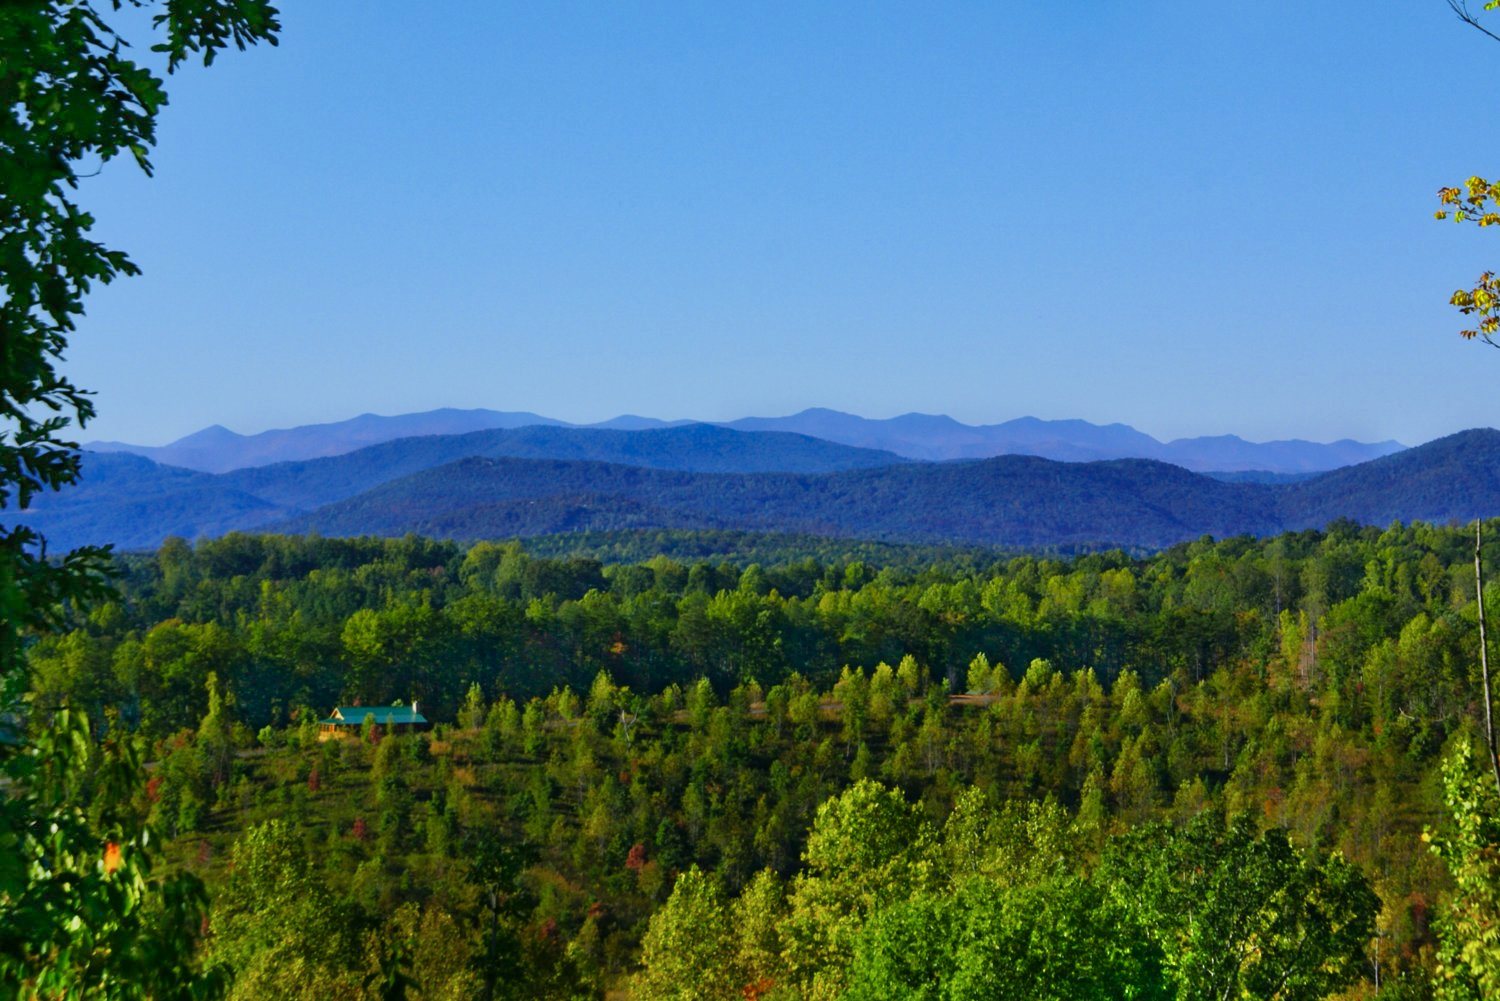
(1456, 478)
(694, 447)
(929, 437)
(1011, 501)
(1016, 501)
(135, 503)
(107, 504)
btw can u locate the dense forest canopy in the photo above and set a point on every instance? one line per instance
(630, 753)
(289, 622)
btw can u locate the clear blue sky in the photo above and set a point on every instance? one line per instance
(1195, 218)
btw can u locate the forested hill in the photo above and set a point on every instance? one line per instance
(1011, 500)
(708, 478)
(1014, 501)
(135, 502)
(1452, 478)
(700, 448)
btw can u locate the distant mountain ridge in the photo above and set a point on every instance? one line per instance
(926, 437)
(134, 502)
(937, 437)
(704, 477)
(216, 449)
(1020, 501)
(702, 448)
(1010, 501)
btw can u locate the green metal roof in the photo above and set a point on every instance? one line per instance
(384, 715)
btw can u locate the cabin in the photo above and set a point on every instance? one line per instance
(391, 719)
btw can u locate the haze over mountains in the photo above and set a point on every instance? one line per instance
(1007, 501)
(913, 436)
(135, 502)
(937, 437)
(542, 479)
(216, 449)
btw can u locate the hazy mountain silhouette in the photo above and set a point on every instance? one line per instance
(217, 449)
(664, 479)
(936, 437)
(693, 447)
(914, 436)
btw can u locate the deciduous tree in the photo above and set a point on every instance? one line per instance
(76, 899)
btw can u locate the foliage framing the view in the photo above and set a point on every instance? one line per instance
(79, 912)
(1476, 201)
(82, 915)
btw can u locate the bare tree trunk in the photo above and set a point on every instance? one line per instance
(1484, 657)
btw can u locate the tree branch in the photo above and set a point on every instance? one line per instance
(1461, 9)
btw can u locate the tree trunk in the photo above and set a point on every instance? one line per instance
(1484, 657)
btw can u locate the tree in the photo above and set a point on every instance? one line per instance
(906, 952)
(1469, 930)
(1056, 941)
(72, 98)
(688, 951)
(80, 912)
(278, 926)
(867, 848)
(471, 716)
(756, 917)
(1461, 8)
(495, 871)
(1477, 201)
(1484, 657)
(1238, 914)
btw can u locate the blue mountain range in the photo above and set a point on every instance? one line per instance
(928, 437)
